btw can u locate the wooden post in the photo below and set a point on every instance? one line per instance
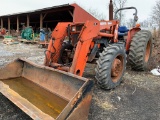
(27, 20)
(41, 21)
(17, 24)
(9, 26)
(1, 23)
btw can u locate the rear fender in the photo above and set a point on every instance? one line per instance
(131, 33)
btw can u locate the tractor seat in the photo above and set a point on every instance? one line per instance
(122, 30)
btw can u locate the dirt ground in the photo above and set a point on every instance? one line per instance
(137, 98)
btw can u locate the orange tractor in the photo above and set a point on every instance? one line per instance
(45, 93)
(74, 44)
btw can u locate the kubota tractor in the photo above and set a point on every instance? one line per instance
(45, 93)
(74, 44)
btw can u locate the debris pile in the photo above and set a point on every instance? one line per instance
(9, 40)
(156, 71)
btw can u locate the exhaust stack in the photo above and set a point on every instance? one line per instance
(110, 10)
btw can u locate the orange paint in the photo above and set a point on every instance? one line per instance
(131, 33)
(90, 31)
(58, 35)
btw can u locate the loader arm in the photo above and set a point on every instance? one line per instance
(89, 31)
(58, 35)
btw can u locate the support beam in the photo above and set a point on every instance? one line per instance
(41, 21)
(9, 26)
(44, 15)
(27, 20)
(17, 24)
(70, 13)
(1, 23)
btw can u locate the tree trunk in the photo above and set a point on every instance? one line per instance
(159, 31)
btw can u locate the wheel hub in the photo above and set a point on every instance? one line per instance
(148, 51)
(116, 70)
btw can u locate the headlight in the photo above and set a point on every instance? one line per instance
(73, 28)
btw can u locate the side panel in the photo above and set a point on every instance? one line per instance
(81, 112)
(78, 107)
(12, 70)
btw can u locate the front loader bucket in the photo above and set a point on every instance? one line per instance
(45, 93)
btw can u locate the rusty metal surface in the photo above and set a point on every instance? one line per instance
(12, 70)
(79, 112)
(22, 103)
(62, 83)
(75, 89)
(59, 67)
(116, 67)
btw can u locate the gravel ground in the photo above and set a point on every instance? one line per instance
(137, 98)
(8, 111)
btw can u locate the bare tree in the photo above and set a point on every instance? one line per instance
(129, 23)
(156, 15)
(117, 5)
(96, 14)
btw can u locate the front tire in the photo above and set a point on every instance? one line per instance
(111, 66)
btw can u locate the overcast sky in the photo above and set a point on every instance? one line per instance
(13, 6)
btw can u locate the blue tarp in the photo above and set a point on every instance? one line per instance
(42, 35)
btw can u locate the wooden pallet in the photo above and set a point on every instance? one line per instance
(43, 44)
(28, 41)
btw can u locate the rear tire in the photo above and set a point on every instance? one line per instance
(111, 66)
(140, 50)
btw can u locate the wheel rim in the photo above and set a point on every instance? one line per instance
(148, 51)
(117, 68)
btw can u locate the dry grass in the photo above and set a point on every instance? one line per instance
(106, 105)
